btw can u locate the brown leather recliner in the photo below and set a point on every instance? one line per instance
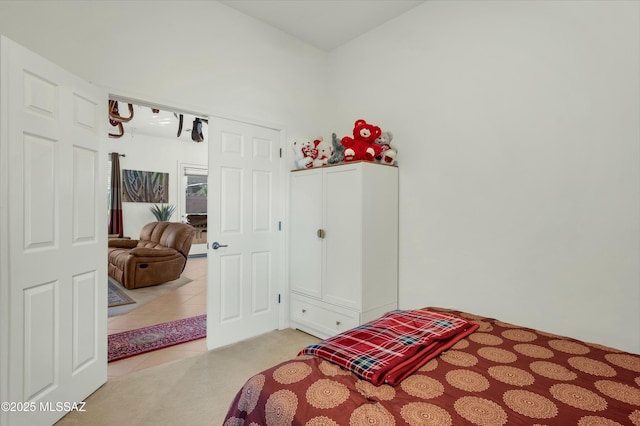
(160, 255)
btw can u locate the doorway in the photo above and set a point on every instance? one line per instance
(153, 140)
(245, 273)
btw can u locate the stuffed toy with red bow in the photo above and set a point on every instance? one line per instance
(311, 153)
(325, 151)
(389, 153)
(362, 146)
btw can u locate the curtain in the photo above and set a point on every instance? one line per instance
(115, 211)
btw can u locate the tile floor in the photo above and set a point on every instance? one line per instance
(184, 302)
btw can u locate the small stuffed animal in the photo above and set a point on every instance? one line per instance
(389, 153)
(325, 151)
(306, 152)
(338, 150)
(362, 146)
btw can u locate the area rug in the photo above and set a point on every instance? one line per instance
(117, 296)
(147, 339)
(143, 295)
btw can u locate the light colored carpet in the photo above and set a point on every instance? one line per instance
(144, 295)
(191, 392)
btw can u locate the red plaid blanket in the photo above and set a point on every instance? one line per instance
(390, 348)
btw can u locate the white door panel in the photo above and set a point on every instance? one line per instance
(305, 242)
(243, 206)
(344, 212)
(53, 261)
(231, 202)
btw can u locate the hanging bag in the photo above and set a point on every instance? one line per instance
(116, 120)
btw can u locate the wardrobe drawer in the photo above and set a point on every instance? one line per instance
(320, 318)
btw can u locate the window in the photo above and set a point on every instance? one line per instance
(195, 201)
(195, 191)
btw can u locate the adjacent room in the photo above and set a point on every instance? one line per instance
(511, 200)
(154, 301)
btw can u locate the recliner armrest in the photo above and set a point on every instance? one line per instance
(152, 252)
(123, 243)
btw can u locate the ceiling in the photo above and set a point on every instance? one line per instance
(325, 24)
(162, 124)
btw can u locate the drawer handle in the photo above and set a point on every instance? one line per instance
(304, 310)
(320, 233)
(338, 323)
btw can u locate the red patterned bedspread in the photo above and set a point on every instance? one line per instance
(500, 375)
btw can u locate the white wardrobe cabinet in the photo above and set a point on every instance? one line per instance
(344, 246)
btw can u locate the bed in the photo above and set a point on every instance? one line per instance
(500, 374)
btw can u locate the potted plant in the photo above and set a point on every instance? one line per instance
(163, 212)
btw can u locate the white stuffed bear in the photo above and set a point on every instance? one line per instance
(306, 153)
(325, 151)
(389, 153)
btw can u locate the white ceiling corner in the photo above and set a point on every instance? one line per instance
(325, 24)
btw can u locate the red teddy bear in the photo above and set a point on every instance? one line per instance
(362, 146)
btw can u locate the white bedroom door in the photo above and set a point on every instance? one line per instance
(53, 238)
(245, 243)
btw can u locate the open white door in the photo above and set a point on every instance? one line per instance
(245, 242)
(53, 253)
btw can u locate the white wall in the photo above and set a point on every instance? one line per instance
(197, 55)
(517, 125)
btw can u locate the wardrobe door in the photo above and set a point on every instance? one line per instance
(343, 212)
(305, 241)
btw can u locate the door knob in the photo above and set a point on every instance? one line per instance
(216, 245)
(320, 233)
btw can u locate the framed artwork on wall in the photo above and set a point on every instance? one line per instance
(140, 186)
